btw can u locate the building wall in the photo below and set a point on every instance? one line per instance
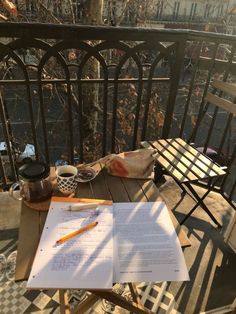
(213, 15)
(165, 12)
(189, 8)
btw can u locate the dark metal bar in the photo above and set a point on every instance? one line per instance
(190, 92)
(105, 101)
(139, 98)
(32, 122)
(175, 77)
(38, 30)
(106, 80)
(225, 132)
(92, 52)
(70, 124)
(200, 203)
(6, 51)
(115, 97)
(231, 194)
(40, 90)
(7, 139)
(209, 133)
(149, 89)
(203, 109)
(114, 112)
(229, 165)
(55, 52)
(3, 174)
(22, 43)
(87, 81)
(69, 111)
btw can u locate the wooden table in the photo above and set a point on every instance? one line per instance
(103, 186)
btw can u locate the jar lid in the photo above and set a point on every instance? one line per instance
(34, 170)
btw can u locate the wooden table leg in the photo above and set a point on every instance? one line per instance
(86, 304)
(134, 294)
(121, 301)
(64, 304)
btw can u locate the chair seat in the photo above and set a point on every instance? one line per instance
(183, 161)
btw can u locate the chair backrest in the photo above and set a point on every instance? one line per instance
(219, 101)
(219, 112)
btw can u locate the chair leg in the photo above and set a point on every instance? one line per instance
(158, 173)
(184, 192)
(200, 203)
(189, 214)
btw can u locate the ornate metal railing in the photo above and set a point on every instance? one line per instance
(79, 93)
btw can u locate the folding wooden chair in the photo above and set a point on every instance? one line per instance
(185, 164)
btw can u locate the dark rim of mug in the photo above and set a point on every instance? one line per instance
(66, 174)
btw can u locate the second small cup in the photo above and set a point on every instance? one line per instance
(66, 176)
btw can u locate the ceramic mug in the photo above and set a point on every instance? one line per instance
(66, 179)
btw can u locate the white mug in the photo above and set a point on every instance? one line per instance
(66, 178)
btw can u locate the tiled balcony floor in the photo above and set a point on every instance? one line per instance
(210, 261)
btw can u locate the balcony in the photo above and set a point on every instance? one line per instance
(79, 93)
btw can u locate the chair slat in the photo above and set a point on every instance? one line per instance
(196, 166)
(182, 161)
(196, 158)
(172, 169)
(221, 102)
(146, 144)
(173, 165)
(225, 87)
(201, 157)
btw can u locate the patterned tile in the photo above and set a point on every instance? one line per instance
(42, 300)
(16, 299)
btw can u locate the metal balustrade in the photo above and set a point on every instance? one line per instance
(79, 93)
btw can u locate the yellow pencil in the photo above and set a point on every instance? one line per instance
(71, 235)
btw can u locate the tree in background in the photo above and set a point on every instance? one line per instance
(45, 11)
(9, 7)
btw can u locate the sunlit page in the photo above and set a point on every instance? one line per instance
(83, 261)
(146, 246)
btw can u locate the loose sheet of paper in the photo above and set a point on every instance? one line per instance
(146, 246)
(84, 261)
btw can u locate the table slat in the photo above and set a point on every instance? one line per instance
(116, 188)
(99, 188)
(133, 189)
(32, 223)
(153, 195)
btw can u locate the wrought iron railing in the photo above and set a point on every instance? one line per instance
(79, 93)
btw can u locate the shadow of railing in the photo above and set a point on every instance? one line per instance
(211, 271)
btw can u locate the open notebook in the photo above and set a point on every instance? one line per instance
(129, 242)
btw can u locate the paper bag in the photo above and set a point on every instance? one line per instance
(136, 164)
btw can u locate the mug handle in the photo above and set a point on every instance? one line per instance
(12, 189)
